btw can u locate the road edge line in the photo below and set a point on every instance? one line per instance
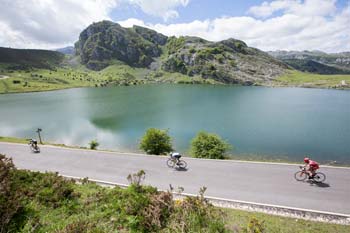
(284, 211)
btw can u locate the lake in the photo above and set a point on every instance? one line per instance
(286, 123)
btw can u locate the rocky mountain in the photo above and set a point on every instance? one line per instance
(315, 61)
(69, 50)
(104, 41)
(228, 61)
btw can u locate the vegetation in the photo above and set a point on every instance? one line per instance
(314, 67)
(156, 142)
(208, 145)
(13, 139)
(243, 221)
(296, 78)
(25, 59)
(94, 144)
(315, 61)
(174, 44)
(46, 202)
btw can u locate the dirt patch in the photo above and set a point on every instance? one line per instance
(4, 77)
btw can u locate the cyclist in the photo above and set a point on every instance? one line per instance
(176, 156)
(33, 142)
(311, 167)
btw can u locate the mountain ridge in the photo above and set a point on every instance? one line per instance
(227, 61)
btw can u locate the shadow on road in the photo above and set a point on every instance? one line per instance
(320, 185)
(181, 169)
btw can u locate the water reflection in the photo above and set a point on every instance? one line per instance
(288, 122)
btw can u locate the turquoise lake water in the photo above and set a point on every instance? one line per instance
(273, 122)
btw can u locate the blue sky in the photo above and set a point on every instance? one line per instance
(197, 10)
(267, 25)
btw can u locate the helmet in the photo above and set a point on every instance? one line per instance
(306, 160)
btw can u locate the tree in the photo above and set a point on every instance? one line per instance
(156, 141)
(94, 144)
(208, 145)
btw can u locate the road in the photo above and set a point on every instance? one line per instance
(265, 183)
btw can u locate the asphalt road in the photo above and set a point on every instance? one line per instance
(265, 183)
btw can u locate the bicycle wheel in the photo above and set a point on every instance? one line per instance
(170, 162)
(319, 177)
(300, 176)
(182, 164)
(32, 148)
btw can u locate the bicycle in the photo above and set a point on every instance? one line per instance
(301, 175)
(33, 145)
(175, 160)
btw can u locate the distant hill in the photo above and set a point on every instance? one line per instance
(30, 58)
(228, 61)
(315, 61)
(69, 50)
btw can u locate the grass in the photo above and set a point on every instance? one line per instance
(34, 80)
(296, 78)
(95, 204)
(66, 77)
(276, 224)
(26, 140)
(121, 74)
(13, 139)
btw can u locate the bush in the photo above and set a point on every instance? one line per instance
(10, 198)
(255, 226)
(94, 144)
(196, 214)
(207, 145)
(156, 142)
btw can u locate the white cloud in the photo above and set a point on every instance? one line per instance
(298, 7)
(130, 22)
(308, 25)
(56, 23)
(300, 25)
(49, 23)
(160, 8)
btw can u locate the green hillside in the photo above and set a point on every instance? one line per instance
(19, 59)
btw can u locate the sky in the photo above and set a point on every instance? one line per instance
(268, 25)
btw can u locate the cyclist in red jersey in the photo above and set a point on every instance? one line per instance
(311, 167)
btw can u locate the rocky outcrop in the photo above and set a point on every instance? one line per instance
(228, 61)
(104, 41)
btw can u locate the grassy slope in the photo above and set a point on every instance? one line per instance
(296, 78)
(277, 224)
(61, 78)
(58, 218)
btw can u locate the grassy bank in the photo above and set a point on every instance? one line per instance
(46, 202)
(119, 74)
(301, 79)
(239, 157)
(34, 80)
(277, 224)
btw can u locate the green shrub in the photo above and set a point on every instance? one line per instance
(207, 145)
(255, 226)
(94, 144)
(196, 214)
(49, 189)
(156, 142)
(174, 44)
(10, 198)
